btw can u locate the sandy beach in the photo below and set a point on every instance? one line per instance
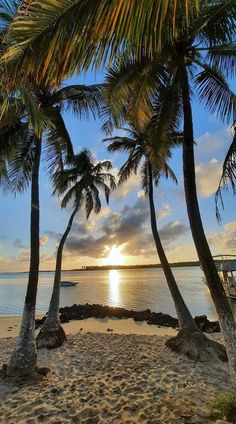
(111, 377)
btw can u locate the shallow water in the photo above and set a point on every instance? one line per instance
(132, 289)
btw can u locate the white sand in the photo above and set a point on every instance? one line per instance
(112, 378)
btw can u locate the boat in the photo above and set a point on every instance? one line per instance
(226, 268)
(68, 283)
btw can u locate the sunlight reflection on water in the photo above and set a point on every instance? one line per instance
(136, 289)
(114, 287)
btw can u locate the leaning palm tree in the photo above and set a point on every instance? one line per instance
(82, 179)
(139, 145)
(200, 60)
(32, 118)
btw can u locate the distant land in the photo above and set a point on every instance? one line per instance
(110, 267)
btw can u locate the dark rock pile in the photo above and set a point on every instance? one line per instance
(80, 312)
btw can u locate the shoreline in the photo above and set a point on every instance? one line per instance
(9, 327)
(99, 318)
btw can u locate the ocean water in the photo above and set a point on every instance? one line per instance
(132, 289)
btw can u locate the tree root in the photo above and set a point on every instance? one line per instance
(195, 345)
(50, 337)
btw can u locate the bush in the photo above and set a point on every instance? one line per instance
(224, 408)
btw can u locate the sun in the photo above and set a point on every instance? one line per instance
(115, 257)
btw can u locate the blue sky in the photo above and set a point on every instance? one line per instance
(125, 223)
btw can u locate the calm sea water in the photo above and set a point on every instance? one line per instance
(132, 289)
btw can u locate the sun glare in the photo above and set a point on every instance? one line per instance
(115, 257)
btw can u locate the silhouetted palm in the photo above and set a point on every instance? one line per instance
(82, 180)
(152, 165)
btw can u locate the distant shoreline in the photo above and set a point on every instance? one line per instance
(115, 267)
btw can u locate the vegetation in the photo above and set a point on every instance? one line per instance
(150, 158)
(82, 180)
(224, 408)
(180, 47)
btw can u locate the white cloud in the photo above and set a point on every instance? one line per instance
(207, 177)
(165, 211)
(225, 241)
(43, 240)
(140, 193)
(131, 184)
(213, 143)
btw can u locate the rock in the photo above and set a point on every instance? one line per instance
(44, 371)
(207, 326)
(203, 413)
(222, 422)
(3, 371)
(80, 312)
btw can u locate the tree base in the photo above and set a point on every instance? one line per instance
(195, 345)
(50, 337)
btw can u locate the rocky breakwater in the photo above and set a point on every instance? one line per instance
(80, 312)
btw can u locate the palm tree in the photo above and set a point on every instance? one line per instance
(175, 35)
(82, 180)
(71, 35)
(33, 116)
(202, 58)
(139, 144)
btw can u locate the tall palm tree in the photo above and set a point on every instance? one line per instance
(201, 60)
(82, 180)
(139, 144)
(176, 31)
(33, 117)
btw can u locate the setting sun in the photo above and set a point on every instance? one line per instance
(115, 257)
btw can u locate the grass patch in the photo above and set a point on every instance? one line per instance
(224, 408)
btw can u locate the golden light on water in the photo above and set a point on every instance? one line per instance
(114, 287)
(115, 257)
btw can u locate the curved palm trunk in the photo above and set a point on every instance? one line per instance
(24, 358)
(52, 334)
(218, 295)
(190, 339)
(184, 317)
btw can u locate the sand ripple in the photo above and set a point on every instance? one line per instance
(110, 378)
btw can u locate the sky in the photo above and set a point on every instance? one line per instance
(121, 232)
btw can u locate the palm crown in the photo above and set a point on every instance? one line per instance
(139, 145)
(38, 111)
(82, 179)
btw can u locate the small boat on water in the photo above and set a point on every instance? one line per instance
(68, 283)
(226, 268)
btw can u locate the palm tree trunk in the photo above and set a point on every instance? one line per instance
(184, 317)
(52, 334)
(190, 339)
(24, 358)
(218, 295)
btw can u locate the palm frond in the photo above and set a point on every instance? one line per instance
(130, 166)
(58, 147)
(223, 57)
(82, 100)
(119, 144)
(215, 94)
(96, 199)
(88, 202)
(80, 33)
(228, 177)
(21, 165)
